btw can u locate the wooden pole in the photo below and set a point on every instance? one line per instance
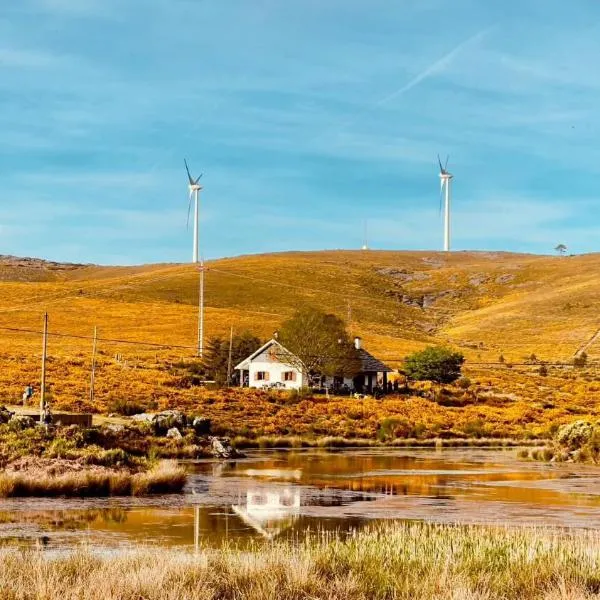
(201, 311)
(229, 358)
(93, 376)
(44, 352)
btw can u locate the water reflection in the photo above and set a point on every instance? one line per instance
(269, 512)
(274, 495)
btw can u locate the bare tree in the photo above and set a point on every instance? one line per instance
(561, 249)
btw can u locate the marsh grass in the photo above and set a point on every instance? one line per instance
(164, 477)
(273, 442)
(401, 561)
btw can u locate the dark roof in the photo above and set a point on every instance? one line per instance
(370, 364)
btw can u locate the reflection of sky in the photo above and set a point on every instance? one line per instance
(274, 494)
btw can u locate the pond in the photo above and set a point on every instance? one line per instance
(286, 494)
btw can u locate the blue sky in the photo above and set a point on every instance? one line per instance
(306, 116)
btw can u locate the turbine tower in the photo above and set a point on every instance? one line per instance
(446, 191)
(195, 188)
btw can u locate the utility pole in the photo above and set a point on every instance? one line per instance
(229, 358)
(93, 377)
(201, 311)
(44, 352)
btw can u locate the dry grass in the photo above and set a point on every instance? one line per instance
(165, 477)
(417, 561)
(492, 304)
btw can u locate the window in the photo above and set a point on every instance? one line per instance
(289, 376)
(261, 376)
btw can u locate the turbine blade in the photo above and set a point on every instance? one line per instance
(440, 161)
(199, 178)
(190, 178)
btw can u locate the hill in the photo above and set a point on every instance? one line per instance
(488, 304)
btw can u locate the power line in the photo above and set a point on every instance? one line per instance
(99, 339)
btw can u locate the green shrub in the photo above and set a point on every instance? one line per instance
(464, 383)
(127, 408)
(435, 363)
(575, 435)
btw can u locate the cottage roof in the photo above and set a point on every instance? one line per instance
(246, 362)
(370, 364)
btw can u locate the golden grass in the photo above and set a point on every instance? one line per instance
(411, 561)
(165, 477)
(494, 304)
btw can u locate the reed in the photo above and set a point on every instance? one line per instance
(398, 561)
(165, 477)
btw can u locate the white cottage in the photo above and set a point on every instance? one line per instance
(265, 368)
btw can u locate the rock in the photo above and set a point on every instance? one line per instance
(201, 425)
(5, 415)
(143, 418)
(505, 278)
(115, 428)
(168, 419)
(22, 422)
(222, 448)
(478, 279)
(174, 433)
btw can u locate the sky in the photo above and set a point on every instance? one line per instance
(307, 117)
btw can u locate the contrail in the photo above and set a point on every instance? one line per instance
(434, 68)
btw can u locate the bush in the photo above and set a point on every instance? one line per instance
(575, 435)
(435, 363)
(464, 383)
(127, 408)
(580, 360)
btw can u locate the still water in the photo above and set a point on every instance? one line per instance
(273, 495)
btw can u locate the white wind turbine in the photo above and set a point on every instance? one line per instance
(195, 188)
(445, 186)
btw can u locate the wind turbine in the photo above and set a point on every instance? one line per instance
(195, 188)
(445, 186)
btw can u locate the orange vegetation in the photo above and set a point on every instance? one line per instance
(484, 304)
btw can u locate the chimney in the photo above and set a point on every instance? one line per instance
(275, 335)
(357, 343)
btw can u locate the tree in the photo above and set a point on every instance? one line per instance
(216, 359)
(318, 344)
(435, 363)
(580, 360)
(561, 249)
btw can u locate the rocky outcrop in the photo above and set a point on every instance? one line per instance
(222, 448)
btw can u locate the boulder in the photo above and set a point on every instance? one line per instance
(174, 433)
(201, 425)
(22, 422)
(143, 418)
(115, 428)
(222, 448)
(5, 415)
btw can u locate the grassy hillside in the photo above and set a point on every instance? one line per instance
(487, 304)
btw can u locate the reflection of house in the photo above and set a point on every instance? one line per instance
(266, 367)
(269, 511)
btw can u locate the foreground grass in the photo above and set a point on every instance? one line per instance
(166, 477)
(415, 561)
